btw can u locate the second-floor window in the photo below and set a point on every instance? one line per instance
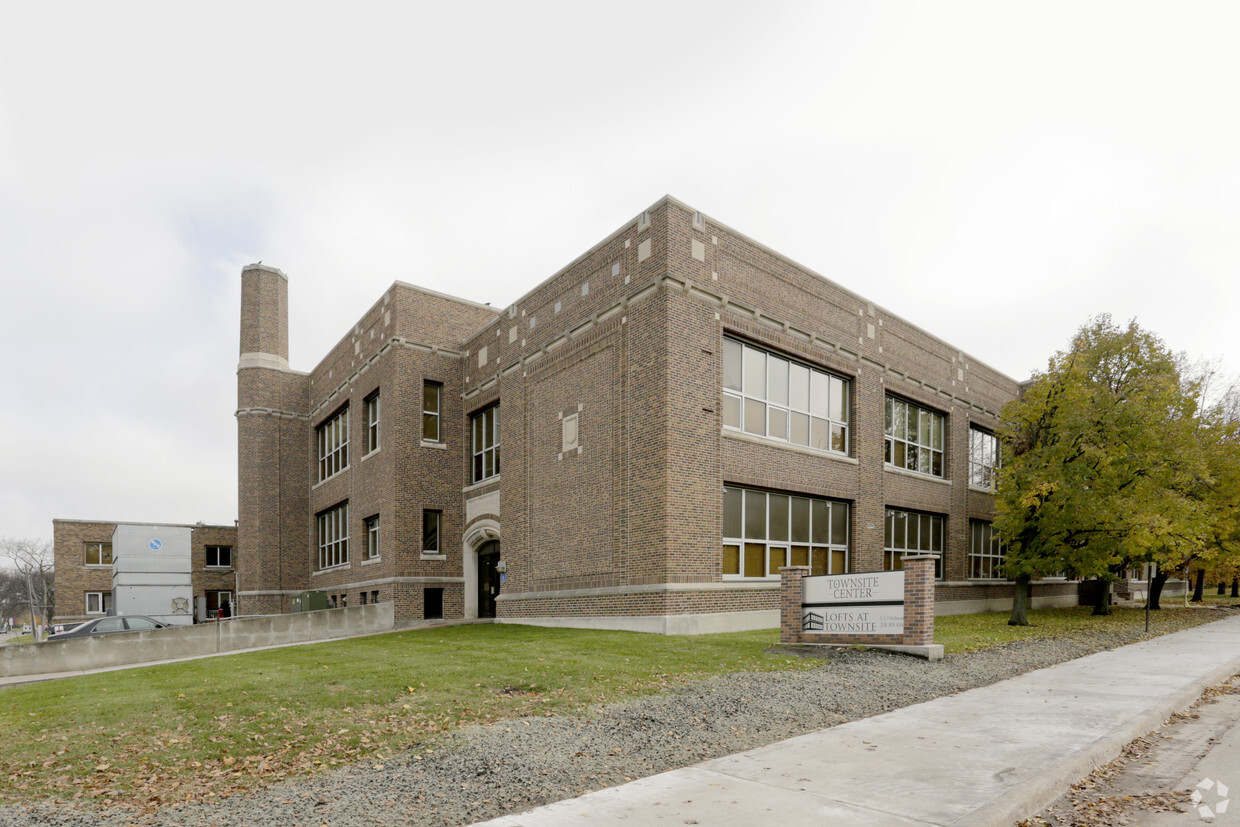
(334, 444)
(98, 554)
(372, 422)
(219, 557)
(914, 438)
(431, 392)
(983, 459)
(769, 395)
(484, 427)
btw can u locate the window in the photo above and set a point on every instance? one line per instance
(98, 554)
(334, 537)
(914, 438)
(985, 552)
(983, 459)
(769, 395)
(485, 429)
(217, 600)
(219, 557)
(372, 422)
(372, 539)
(431, 521)
(334, 444)
(431, 392)
(763, 531)
(98, 603)
(911, 532)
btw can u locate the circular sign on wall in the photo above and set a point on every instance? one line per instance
(156, 544)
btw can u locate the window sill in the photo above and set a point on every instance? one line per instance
(370, 561)
(742, 436)
(977, 489)
(329, 479)
(430, 443)
(917, 475)
(219, 569)
(482, 484)
(368, 455)
(433, 556)
(341, 567)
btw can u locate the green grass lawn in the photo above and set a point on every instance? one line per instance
(152, 735)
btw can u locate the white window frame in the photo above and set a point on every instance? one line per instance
(371, 405)
(333, 536)
(822, 543)
(372, 550)
(484, 443)
(217, 564)
(921, 444)
(901, 539)
(814, 413)
(103, 601)
(333, 440)
(986, 552)
(100, 546)
(437, 546)
(432, 413)
(984, 459)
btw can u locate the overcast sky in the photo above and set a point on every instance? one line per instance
(994, 172)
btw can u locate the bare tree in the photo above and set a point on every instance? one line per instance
(33, 560)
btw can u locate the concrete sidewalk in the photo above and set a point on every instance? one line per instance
(989, 756)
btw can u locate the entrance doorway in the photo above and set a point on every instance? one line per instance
(488, 578)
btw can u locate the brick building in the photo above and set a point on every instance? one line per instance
(680, 411)
(84, 571)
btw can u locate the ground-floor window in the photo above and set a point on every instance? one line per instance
(98, 603)
(985, 551)
(765, 530)
(912, 532)
(219, 603)
(334, 537)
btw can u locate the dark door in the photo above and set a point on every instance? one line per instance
(488, 578)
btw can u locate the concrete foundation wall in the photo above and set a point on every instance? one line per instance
(191, 641)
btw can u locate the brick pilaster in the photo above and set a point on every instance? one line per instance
(790, 594)
(919, 600)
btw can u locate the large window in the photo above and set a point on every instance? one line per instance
(98, 603)
(334, 444)
(763, 531)
(769, 395)
(912, 532)
(985, 552)
(219, 557)
(431, 523)
(983, 459)
(372, 422)
(485, 428)
(334, 537)
(98, 554)
(431, 394)
(372, 539)
(914, 438)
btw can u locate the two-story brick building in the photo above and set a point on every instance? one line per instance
(83, 556)
(680, 411)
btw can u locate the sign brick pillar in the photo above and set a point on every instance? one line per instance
(790, 591)
(919, 600)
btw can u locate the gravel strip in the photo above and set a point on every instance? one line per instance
(483, 772)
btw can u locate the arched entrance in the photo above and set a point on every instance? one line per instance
(488, 578)
(483, 570)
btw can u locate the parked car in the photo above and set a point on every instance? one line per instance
(110, 626)
(26, 629)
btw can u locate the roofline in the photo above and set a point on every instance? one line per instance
(139, 523)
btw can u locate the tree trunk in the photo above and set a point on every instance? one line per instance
(1020, 602)
(1102, 597)
(1156, 587)
(1235, 587)
(1222, 588)
(1199, 588)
